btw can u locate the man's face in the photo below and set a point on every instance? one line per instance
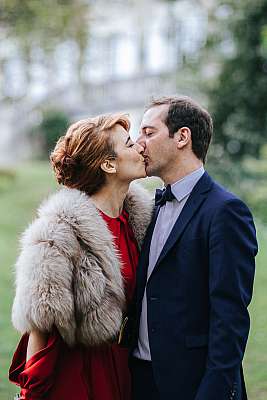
(159, 148)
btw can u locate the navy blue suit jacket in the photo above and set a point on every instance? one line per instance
(197, 297)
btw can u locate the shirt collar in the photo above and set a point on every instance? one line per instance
(184, 186)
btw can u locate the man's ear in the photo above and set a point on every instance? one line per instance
(183, 137)
(109, 166)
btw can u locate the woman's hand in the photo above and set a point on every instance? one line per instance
(37, 341)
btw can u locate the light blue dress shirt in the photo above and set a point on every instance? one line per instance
(166, 219)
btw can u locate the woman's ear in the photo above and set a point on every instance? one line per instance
(109, 166)
(183, 137)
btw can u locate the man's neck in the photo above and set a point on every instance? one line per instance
(179, 172)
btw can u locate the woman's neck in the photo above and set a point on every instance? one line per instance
(110, 198)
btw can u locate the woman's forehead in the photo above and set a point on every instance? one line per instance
(120, 135)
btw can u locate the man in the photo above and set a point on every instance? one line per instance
(196, 267)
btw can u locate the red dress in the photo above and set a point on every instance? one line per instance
(58, 372)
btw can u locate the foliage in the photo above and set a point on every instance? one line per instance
(238, 97)
(245, 177)
(43, 23)
(53, 125)
(34, 30)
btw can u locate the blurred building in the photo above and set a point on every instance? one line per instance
(135, 50)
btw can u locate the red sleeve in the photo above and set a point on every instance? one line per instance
(35, 377)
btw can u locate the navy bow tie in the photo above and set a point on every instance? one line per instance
(163, 195)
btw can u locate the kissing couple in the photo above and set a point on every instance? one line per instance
(124, 297)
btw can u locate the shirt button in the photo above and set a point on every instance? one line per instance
(153, 330)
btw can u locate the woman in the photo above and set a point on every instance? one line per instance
(76, 273)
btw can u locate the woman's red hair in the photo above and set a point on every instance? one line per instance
(78, 155)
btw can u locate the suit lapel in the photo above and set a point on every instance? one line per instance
(144, 256)
(196, 198)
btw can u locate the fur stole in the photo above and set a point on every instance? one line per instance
(68, 272)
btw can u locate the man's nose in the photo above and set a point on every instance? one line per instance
(140, 140)
(139, 147)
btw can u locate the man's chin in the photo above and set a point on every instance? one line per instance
(148, 171)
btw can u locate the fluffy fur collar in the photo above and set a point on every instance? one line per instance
(68, 272)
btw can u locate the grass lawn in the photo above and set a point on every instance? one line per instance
(20, 195)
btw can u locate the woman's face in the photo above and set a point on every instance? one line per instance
(130, 163)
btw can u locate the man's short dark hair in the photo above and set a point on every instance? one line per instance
(184, 112)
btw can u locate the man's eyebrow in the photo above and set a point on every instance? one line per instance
(147, 127)
(129, 138)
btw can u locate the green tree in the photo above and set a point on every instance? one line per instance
(33, 26)
(238, 99)
(44, 23)
(53, 125)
